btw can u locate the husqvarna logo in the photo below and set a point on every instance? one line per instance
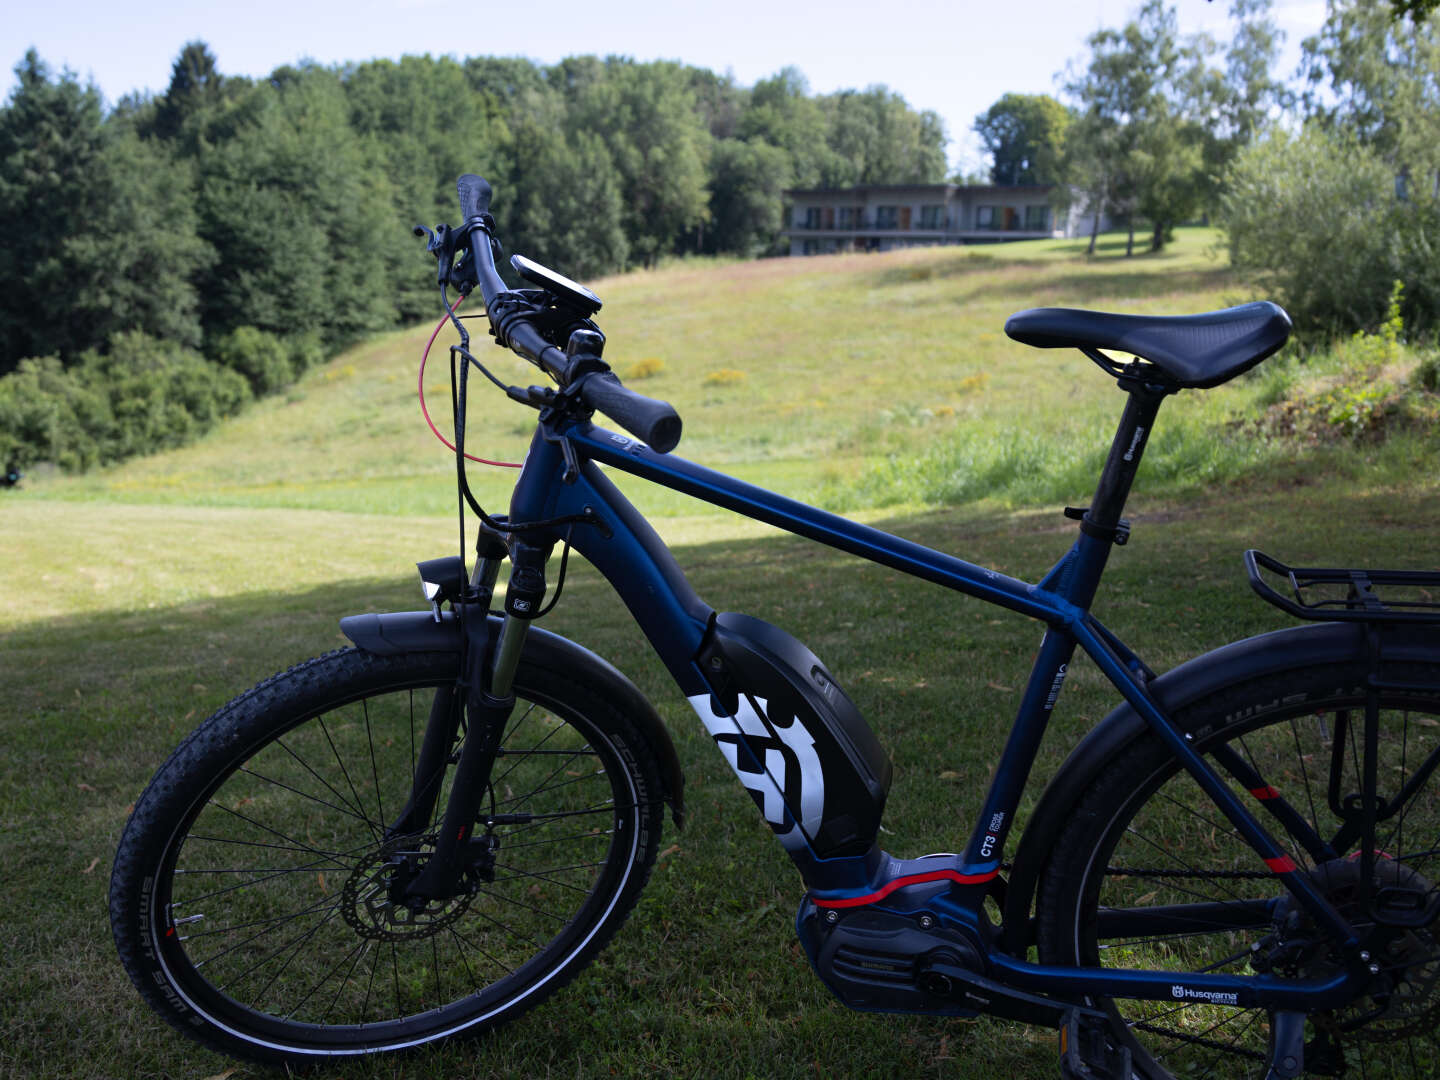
(781, 769)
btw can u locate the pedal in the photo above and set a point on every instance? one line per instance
(1086, 1052)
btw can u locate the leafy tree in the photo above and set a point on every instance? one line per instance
(566, 208)
(1139, 143)
(1024, 134)
(878, 139)
(781, 112)
(646, 115)
(1379, 79)
(423, 122)
(98, 236)
(748, 181)
(299, 215)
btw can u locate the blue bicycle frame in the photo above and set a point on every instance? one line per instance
(560, 479)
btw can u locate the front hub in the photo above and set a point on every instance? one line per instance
(371, 899)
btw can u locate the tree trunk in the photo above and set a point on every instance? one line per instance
(1094, 231)
(1157, 238)
(1130, 240)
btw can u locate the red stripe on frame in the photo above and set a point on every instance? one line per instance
(901, 882)
(1263, 793)
(1283, 865)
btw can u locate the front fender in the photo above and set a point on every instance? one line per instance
(417, 631)
(1264, 654)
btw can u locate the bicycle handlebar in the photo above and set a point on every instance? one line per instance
(652, 421)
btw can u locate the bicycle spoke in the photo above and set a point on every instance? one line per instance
(333, 909)
(358, 808)
(374, 773)
(355, 952)
(378, 827)
(304, 794)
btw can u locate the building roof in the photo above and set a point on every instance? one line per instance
(948, 189)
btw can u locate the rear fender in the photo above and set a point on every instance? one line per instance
(417, 631)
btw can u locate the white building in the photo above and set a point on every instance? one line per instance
(821, 221)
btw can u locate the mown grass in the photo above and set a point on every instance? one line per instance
(137, 600)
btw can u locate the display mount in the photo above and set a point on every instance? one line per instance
(570, 292)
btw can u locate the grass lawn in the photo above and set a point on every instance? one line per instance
(135, 601)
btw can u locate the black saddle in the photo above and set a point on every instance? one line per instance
(1195, 351)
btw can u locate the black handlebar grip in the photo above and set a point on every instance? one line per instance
(474, 196)
(651, 421)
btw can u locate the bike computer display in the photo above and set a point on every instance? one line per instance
(570, 291)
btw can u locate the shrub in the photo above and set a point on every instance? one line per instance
(1312, 220)
(1427, 372)
(138, 396)
(306, 351)
(262, 357)
(644, 368)
(724, 377)
(48, 414)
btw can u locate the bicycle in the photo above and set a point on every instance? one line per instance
(480, 801)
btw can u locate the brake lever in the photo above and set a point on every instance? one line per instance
(443, 242)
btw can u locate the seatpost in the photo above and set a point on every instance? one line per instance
(1125, 452)
(1101, 526)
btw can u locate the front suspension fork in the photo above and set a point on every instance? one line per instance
(486, 682)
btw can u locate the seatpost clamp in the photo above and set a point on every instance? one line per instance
(1119, 535)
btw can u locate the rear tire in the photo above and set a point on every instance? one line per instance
(1142, 835)
(252, 896)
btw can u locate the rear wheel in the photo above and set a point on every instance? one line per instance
(1149, 874)
(256, 894)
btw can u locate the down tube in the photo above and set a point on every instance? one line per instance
(748, 684)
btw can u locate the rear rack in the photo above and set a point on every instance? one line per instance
(1349, 595)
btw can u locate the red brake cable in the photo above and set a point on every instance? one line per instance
(425, 356)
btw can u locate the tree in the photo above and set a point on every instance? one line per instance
(646, 116)
(1140, 133)
(300, 215)
(781, 112)
(423, 122)
(566, 206)
(196, 85)
(878, 139)
(1379, 79)
(1024, 134)
(99, 235)
(747, 185)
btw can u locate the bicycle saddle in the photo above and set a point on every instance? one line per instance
(1195, 351)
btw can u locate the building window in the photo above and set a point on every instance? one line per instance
(810, 247)
(986, 218)
(887, 217)
(932, 217)
(846, 218)
(812, 217)
(1037, 219)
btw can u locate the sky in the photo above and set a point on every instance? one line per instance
(956, 58)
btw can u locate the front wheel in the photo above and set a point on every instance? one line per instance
(256, 894)
(1147, 873)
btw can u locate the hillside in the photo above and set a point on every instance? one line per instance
(840, 359)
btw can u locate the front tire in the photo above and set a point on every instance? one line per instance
(253, 896)
(1143, 836)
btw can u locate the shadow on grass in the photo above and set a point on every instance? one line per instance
(706, 979)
